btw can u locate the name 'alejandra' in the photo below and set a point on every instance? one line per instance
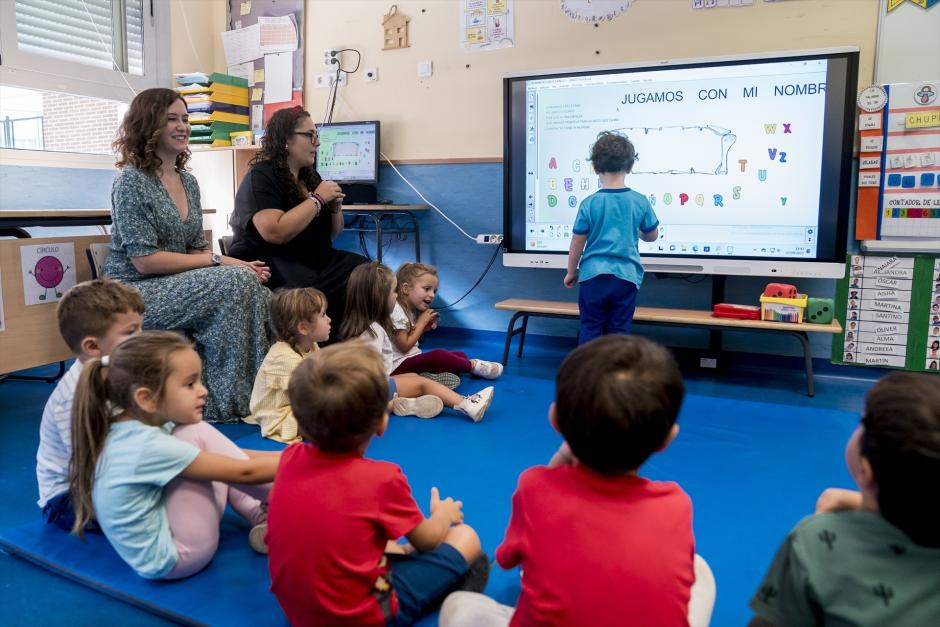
(653, 96)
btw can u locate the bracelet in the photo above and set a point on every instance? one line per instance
(317, 197)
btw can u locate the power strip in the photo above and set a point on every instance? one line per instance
(490, 238)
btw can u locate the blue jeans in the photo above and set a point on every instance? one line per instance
(421, 581)
(59, 512)
(606, 304)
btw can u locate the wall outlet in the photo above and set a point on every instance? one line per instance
(425, 69)
(330, 58)
(371, 75)
(327, 78)
(490, 238)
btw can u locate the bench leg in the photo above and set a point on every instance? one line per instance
(525, 327)
(808, 357)
(510, 332)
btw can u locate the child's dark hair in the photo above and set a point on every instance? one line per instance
(290, 307)
(338, 395)
(88, 309)
(617, 399)
(901, 440)
(612, 152)
(408, 274)
(367, 300)
(139, 361)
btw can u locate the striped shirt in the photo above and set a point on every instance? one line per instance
(270, 405)
(55, 437)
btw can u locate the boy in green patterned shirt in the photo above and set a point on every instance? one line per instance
(870, 557)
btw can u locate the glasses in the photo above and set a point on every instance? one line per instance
(311, 135)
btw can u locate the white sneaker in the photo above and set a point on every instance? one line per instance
(475, 406)
(256, 538)
(426, 406)
(486, 369)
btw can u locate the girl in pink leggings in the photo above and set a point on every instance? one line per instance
(158, 495)
(412, 316)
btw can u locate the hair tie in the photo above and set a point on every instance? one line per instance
(295, 113)
(105, 361)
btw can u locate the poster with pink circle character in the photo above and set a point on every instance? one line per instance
(48, 271)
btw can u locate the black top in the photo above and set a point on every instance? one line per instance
(260, 189)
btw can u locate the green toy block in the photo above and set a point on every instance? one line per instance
(819, 310)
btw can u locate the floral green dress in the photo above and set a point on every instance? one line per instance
(224, 309)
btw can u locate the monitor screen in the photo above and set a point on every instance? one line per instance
(741, 158)
(349, 152)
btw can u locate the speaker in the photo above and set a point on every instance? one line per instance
(359, 194)
(819, 310)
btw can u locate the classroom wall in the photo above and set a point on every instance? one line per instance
(196, 46)
(457, 112)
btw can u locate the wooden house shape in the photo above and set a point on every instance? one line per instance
(396, 29)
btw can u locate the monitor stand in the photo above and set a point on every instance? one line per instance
(359, 194)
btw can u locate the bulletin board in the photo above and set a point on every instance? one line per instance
(889, 307)
(245, 13)
(457, 113)
(899, 163)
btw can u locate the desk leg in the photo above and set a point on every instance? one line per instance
(378, 238)
(510, 332)
(414, 222)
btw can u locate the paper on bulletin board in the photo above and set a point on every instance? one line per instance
(243, 70)
(278, 71)
(278, 34)
(48, 271)
(297, 100)
(486, 24)
(242, 45)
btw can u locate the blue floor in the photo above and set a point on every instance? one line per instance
(753, 454)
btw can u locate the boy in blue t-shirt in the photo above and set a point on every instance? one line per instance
(604, 242)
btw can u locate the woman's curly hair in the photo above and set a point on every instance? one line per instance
(136, 143)
(280, 128)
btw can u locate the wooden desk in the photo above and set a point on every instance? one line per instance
(524, 308)
(383, 220)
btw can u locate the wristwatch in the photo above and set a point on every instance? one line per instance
(216, 259)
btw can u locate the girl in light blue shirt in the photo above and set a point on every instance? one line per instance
(157, 477)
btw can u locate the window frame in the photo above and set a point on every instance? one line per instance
(34, 71)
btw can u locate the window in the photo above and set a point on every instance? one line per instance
(100, 48)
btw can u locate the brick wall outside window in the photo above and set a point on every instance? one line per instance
(79, 124)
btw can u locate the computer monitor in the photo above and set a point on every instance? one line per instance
(746, 160)
(349, 155)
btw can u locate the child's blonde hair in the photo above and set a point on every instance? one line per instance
(409, 273)
(140, 361)
(339, 395)
(367, 300)
(290, 307)
(88, 309)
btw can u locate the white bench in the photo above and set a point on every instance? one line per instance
(525, 308)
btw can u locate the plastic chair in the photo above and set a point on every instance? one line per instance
(97, 254)
(225, 243)
(704, 591)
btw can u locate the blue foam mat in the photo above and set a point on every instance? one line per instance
(752, 469)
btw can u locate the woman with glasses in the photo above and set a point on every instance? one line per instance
(158, 247)
(287, 216)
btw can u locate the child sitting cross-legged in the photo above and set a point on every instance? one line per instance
(94, 317)
(300, 321)
(335, 515)
(598, 544)
(872, 556)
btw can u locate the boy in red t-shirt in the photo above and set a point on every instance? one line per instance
(334, 516)
(598, 544)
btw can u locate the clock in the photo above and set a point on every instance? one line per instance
(872, 99)
(592, 11)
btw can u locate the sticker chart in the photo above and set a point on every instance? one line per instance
(933, 321)
(877, 310)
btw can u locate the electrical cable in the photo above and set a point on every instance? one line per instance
(474, 286)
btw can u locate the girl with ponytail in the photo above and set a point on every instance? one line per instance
(158, 493)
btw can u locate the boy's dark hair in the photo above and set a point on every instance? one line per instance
(617, 398)
(612, 152)
(339, 395)
(88, 309)
(901, 440)
(290, 307)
